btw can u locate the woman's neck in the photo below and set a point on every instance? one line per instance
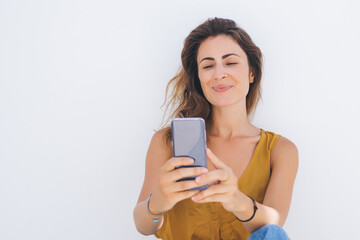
(231, 121)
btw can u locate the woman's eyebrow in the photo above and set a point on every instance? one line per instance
(223, 57)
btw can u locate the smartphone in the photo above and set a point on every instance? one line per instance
(189, 140)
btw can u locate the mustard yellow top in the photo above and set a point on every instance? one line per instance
(190, 220)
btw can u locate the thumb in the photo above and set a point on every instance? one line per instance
(215, 160)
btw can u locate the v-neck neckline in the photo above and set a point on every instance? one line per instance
(253, 156)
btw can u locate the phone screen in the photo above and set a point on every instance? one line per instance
(189, 140)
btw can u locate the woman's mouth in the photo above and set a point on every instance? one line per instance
(221, 88)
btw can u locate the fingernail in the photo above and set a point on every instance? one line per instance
(198, 179)
(194, 198)
(204, 170)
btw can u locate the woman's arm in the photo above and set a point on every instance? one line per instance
(156, 156)
(161, 178)
(276, 204)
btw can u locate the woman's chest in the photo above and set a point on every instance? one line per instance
(236, 154)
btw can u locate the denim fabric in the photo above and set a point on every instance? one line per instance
(269, 232)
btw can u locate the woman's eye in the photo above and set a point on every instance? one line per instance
(210, 66)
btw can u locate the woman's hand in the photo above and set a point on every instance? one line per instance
(225, 189)
(168, 191)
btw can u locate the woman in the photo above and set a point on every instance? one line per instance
(250, 171)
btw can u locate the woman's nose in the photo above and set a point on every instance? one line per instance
(220, 72)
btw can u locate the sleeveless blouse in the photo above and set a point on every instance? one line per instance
(190, 220)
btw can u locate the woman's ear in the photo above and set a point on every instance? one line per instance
(252, 76)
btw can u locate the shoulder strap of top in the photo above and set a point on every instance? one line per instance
(272, 140)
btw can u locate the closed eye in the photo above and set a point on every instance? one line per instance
(209, 66)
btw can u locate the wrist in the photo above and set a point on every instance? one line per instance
(151, 212)
(248, 213)
(243, 203)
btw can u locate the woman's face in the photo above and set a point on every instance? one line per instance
(223, 71)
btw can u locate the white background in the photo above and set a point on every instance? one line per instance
(82, 82)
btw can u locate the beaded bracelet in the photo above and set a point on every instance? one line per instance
(255, 209)
(155, 216)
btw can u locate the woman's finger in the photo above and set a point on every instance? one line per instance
(185, 172)
(184, 186)
(213, 183)
(213, 190)
(185, 194)
(174, 162)
(215, 160)
(212, 176)
(212, 198)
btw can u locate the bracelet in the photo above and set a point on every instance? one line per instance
(255, 209)
(155, 216)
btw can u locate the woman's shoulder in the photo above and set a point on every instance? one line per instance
(271, 134)
(280, 140)
(162, 134)
(161, 140)
(284, 150)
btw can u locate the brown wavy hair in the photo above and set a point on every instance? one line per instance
(184, 96)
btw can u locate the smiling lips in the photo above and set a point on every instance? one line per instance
(221, 88)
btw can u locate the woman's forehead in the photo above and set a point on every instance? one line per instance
(218, 46)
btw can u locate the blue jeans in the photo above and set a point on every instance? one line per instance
(269, 232)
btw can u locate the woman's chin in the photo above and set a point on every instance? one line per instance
(224, 101)
(222, 104)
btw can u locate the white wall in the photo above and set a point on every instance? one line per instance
(81, 84)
